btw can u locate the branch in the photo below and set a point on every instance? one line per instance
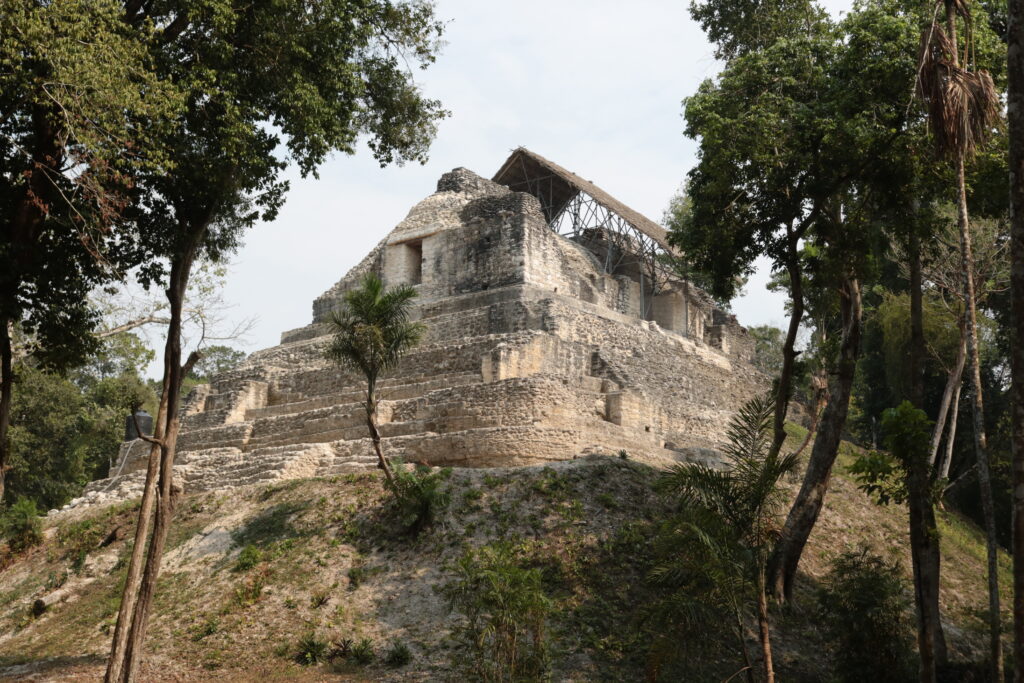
(132, 324)
(190, 363)
(139, 432)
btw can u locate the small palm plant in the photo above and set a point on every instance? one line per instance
(371, 334)
(715, 549)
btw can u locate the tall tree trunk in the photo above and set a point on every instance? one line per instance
(1015, 113)
(978, 415)
(953, 381)
(6, 394)
(763, 627)
(160, 495)
(129, 596)
(947, 459)
(978, 410)
(804, 512)
(924, 554)
(784, 390)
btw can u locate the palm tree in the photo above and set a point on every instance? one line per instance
(728, 521)
(963, 106)
(371, 334)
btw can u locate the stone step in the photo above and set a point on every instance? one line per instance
(390, 390)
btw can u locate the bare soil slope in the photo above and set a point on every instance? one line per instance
(330, 564)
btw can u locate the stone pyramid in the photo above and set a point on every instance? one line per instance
(540, 346)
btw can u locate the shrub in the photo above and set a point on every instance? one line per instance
(21, 526)
(362, 652)
(398, 655)
(205, 628)
(865, 607)
(319, 599)
(505, 609)
(419, 497)
(248, 558)
(251, 590)
(311, 649)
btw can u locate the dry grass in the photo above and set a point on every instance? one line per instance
(330, 563)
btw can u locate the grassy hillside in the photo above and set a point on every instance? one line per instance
(322, 559)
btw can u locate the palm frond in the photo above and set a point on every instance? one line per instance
(962, 105)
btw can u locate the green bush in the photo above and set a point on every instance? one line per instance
(363, 653)
(20, 525)
(398, 655)
(865, 608)
(311, 650)
(506, 612)
(419, 497)
(248, 558)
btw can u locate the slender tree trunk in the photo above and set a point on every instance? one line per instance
(1015, 113)
(160, 495)
(917, 345)
(784, 390)
(947, 459)
(371, 423)
(129, 596)
(764, 632)
(978, 415)
(978, 410)
(6, 394)
(924, 554)
(804, 512)
(953, 381)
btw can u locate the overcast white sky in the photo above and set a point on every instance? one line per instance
(594, 85)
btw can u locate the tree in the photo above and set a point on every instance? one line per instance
(963, 106)
(371, 334)
(79, 111)
(216, 360)
(904, 475)
(863, 603)
(267, 85)
(1015, 114)
(728, 520)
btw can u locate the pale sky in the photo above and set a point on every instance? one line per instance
(595, 86)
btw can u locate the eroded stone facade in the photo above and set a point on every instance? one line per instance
(533, 353)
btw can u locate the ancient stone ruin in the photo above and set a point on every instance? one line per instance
(555, 329)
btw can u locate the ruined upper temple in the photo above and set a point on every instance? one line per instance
(556, 327)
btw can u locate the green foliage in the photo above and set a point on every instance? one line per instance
(311, 649)
(881, 476)
(362, 652)
(248, 558)
(21, 526)
(907, 430)
(419, 497)
(397, 655)
(505, 610)
(740, 26)
(768, 342)
(865, 606)
(64, 434)
(207, 627)
(373, 331)
(711, 555)
(216, 359)
(83, 111)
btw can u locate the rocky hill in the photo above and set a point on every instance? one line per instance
(252, 571)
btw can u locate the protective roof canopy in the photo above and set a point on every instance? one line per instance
(555, 187)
